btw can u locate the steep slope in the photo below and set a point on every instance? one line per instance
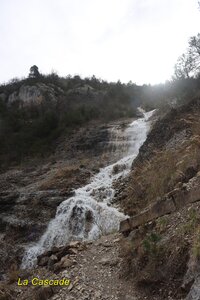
(30, 192)
(158, 257)
(105, 251)
(162, 195)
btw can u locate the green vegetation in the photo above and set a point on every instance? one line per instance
(162, 223)
(192, 223)
(59, 106)
(151, 244)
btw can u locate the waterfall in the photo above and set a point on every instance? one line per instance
(89, 214)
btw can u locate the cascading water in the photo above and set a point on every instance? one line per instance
(88, 214)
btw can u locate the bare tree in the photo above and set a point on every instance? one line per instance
(188, 64)
(184, 66)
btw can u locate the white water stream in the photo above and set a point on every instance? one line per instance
(88, 214)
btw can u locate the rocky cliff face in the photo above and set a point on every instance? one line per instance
(34, 94)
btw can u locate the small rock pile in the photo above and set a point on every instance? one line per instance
(59, 258)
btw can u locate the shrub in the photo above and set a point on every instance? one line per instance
(150, 244)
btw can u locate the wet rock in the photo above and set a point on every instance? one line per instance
(63, 251)
(8, 200)
(118, 168)
(43, 261)
(52, 260)
(54, 250)
(93, 139)
(79, 219)
(45, 254)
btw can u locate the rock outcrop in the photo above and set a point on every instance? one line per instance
(58, 258)
(175, 200)
(35, 94)
(173, 125)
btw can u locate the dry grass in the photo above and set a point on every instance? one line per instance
(166, 170)
(153, 179)
(191, 223)
(196, 244)
(13, 273)
(165, 256)
(162, 224)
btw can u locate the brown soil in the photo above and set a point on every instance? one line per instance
(96, 274)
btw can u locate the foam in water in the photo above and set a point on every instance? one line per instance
(88, 214)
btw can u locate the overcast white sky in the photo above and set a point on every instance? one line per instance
(136, 40)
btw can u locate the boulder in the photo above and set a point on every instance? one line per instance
(63, 251)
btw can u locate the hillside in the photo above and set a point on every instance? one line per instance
(100, 174)
(162, 194)
(37, 113)
(72, 155)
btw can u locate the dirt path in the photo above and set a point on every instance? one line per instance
(94, 271)
(96, 274)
